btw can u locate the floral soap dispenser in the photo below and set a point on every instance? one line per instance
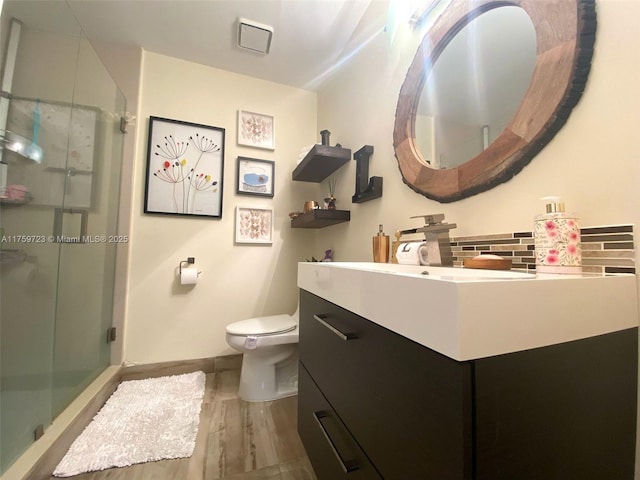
(557, 240)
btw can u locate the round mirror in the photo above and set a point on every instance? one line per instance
(475, 87)
(489, 86)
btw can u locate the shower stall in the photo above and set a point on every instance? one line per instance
(61, 157)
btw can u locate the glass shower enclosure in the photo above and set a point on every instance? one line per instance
(61, 157)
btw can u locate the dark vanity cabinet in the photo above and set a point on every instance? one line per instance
(376, 405)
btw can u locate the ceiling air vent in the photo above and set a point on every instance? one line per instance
(254, 36)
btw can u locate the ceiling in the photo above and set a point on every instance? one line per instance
(310, 37)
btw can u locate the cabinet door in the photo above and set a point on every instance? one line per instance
(408, 407)
(333, 452)
(561, 412)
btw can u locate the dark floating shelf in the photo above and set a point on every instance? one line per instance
(320, 162)
(321, 218)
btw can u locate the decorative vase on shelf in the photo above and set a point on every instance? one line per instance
(330, 203)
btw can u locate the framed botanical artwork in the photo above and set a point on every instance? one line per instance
(256, 130)
(185, 168)
(255, 177)
(254, 225)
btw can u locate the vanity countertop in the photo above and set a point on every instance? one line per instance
(467, 313)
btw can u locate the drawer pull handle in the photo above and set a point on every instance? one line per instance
(342, 335)
(347, 465)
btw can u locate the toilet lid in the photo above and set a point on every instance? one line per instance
(263, 325)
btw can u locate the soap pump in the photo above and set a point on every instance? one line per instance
(381, 247)
(557, 239)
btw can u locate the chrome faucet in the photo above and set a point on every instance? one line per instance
(436, 234)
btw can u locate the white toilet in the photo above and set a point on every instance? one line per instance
(270, 356)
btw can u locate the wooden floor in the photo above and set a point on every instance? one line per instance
(236, 440)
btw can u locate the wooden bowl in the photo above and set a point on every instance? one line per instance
(488, 262)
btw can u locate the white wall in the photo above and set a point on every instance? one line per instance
(166, 321)
(593, 162)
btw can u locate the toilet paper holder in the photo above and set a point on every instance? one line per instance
(188, 261)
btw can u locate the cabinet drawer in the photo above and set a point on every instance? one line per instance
(389, 390)
(332, 451)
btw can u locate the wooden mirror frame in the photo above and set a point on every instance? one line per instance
(565, 35)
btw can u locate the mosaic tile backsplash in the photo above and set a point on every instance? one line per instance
(604, 249)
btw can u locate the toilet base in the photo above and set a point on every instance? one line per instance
(269, 374)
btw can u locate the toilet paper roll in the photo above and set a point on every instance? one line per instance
(189, 275)
(409, 253)
(423, 254)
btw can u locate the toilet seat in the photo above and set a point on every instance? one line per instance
(262, 326)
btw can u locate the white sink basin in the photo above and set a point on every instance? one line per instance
(442, 273)
(468, 313)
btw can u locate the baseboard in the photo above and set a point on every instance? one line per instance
(178, 367)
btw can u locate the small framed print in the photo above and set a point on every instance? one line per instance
(256, 130)
(185, 168)
(255, 177)
(254, 225)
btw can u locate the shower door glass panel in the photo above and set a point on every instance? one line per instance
(43, 73)
(87, 230)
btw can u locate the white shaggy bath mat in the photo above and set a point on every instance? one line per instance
(143, 421)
